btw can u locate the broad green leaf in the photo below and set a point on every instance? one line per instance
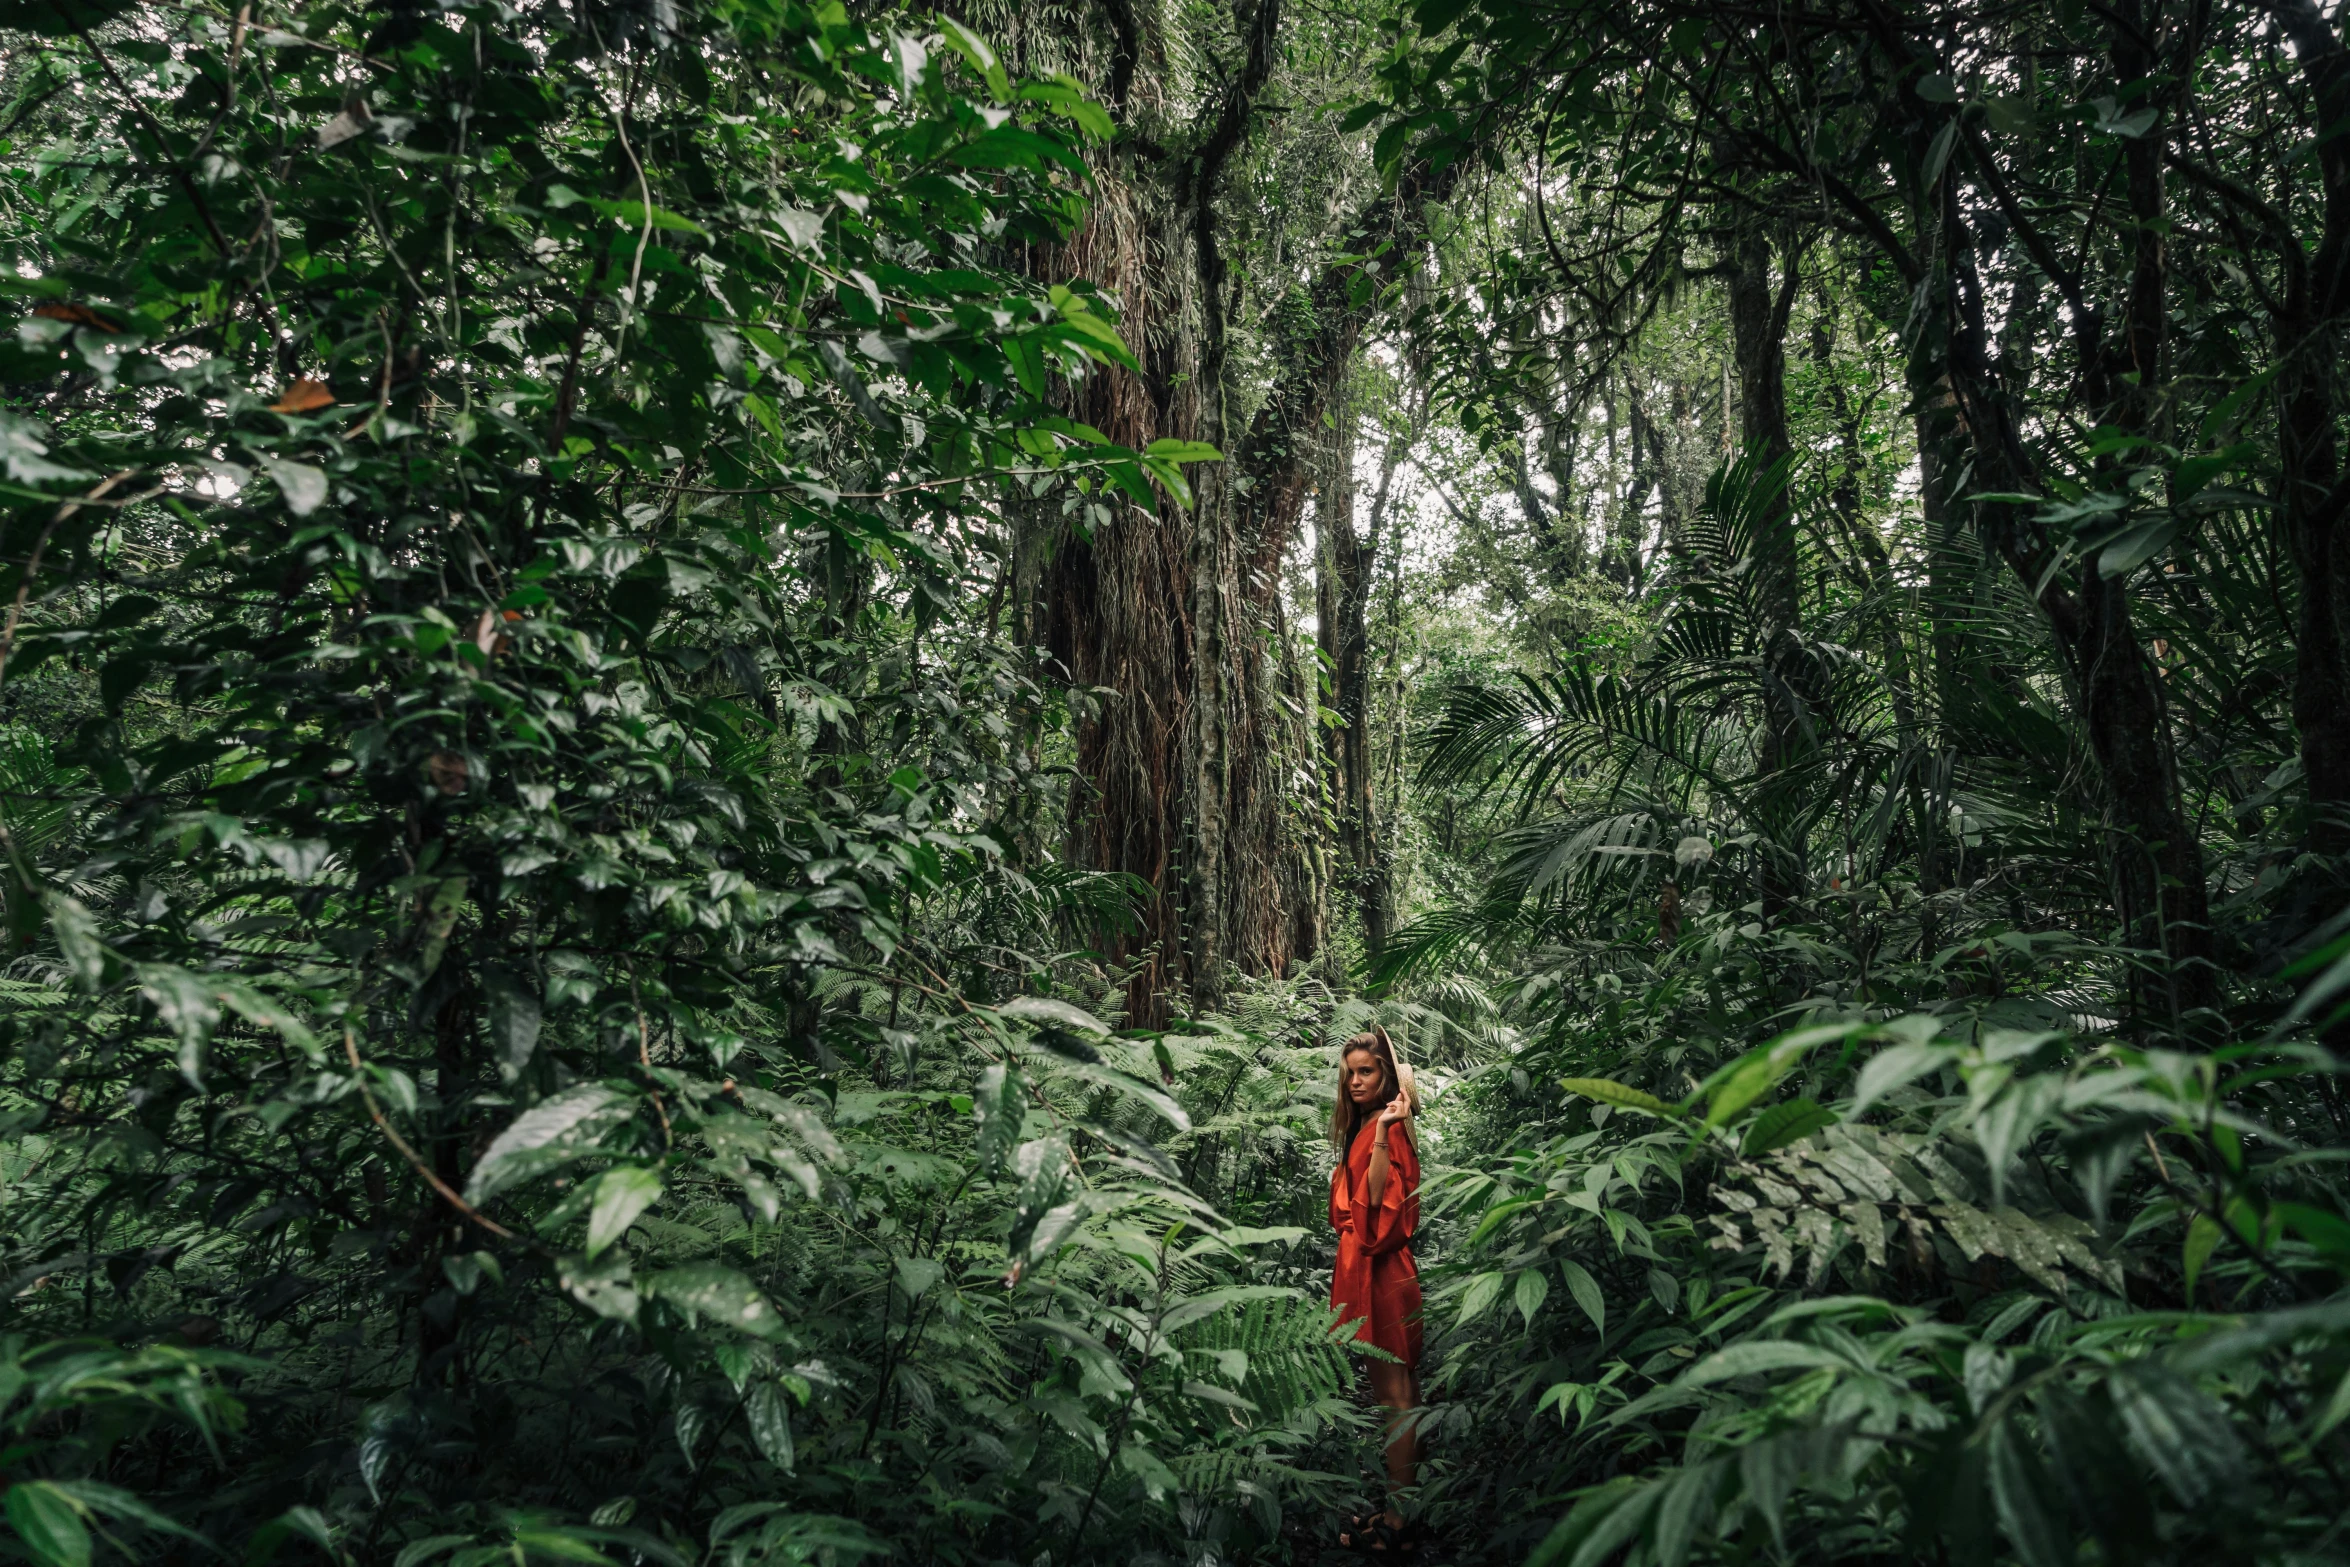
(48, 1523)
(515, 1019)
(1759, 1357)
(975, 49)
(769, 1414)
(1896, 1067)
(303, 486)
(2137, 544)
(417, 1552)
(76, 930)
(1182, 451)
(549, 1134)
(1532, 1288)
(2203, 1238)
(1585, 1289)
(605, 1286)
(1785, 1123)
(2018, 1491)
(189, 1006)
(2179, 1431)
(1617, 1094)
(622, 1193)
(717, 1292)
(916, 1275)
(1482, 1292)
(1045, 1009)
(1158, 1480)
(1753, 1074)
(2336, 1410)
(999, 1104)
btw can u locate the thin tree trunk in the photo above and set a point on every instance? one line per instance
(1758, 327)
(2308, 332)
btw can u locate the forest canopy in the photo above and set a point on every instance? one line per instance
(712, 710)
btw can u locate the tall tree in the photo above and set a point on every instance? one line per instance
(1177, 612)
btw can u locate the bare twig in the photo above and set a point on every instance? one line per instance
(416, 1162)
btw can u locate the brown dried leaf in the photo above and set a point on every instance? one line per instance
(304, 396)
(79, 315)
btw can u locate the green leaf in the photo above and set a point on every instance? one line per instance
(1938, 154)
(1044, 1173)
(2137, 544)
(1157, 1479)
(1172, 478)
(49, 1524)
(550, 1133)
(606, 1286)
(1066, 98)
(715, 1291)
(515, 1018)
(2018, 1492)
(188, 1006)
(1758, 1357)
(2327, 1233)
(999, 1104)
(2223, 413)
(2194, 473)
(2203, 1237)
(975, 49)
(622, 1194)
(76, 930)
(303, 486)
(1598, 1525)
(1482, 1292)
(2336, 1410)
(1895, 1068)
(917, 1276)
(1753, 1074)
(769, 1413)
(1182, 451)
(1044, 1009)
(1607, 1091)
(1585, 1289)
(1785, 1123)
(1533, 1287)
(417, 1552)
(2179, 1431)
(306, 1523)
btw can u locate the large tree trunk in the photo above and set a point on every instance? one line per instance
(1115, 602)
(1188, 768)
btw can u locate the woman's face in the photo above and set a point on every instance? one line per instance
(1366, 1079)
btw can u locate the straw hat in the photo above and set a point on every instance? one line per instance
(1406, 1085)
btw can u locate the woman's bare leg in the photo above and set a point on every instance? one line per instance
(1398, 1390)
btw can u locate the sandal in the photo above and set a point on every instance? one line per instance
(1388, 1543)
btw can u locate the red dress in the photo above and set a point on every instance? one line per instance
(1376, 1281)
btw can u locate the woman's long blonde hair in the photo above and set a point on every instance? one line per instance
(1346, 1117)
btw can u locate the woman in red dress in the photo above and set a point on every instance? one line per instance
(1375, 1207)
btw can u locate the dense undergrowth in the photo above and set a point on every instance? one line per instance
(551, 1013)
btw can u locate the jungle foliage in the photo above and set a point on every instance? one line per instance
(571, 969)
